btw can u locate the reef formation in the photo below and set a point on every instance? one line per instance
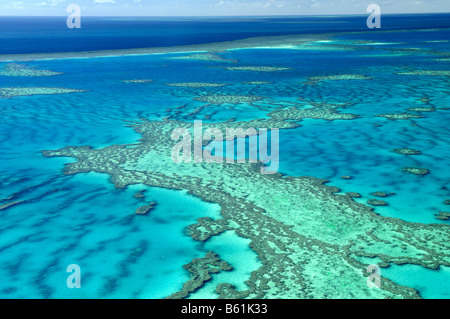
(144, 210)
(307, 237)
(10, 92)
(406, 151)
(196, 84)
(138, 81)
(229, 99)
(257, 68)
(416, 170)
(336, 77)
(15, 69)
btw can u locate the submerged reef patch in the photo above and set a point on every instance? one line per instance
(429, 73)
(424, 100)
(416, 170)
(206, 227)
(229, 99)
(315, 112)
(14, 69)
(140, 194)
(316, 47)
(257, 68)
(400, 116)
(143, 210)
(422, 109)
(138, 81)
(443, 216)
(339, 77)
(257, 82)
(380, 194)
(28, 91)
(196, 84)
(202, 57)
(7, 205)
(406, 151)
(376, 202)
(408, 51)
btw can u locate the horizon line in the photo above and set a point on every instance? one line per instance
(232, 16)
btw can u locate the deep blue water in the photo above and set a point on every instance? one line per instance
(50, 34)
(84, 220)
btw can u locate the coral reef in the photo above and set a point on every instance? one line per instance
(28, 91)
(422, 109)
(400, 116)
(354, 194)
(206, 227)
(228, 99)
(416, 170)
(339, 77)
(138, 81)
(443, 216)
(325, 113)
(303, 232)
(143, 210)
(430, 73)
(376, 202)
(14, 69)
(202, 57)
(196, 84)
(406, 151)
(201, 270)
(380, 194)
(316, 47)
(257, 82)
(257, 68)
(140, 194)
(7, 205)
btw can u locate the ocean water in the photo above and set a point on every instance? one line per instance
(84, 220)
(50, 34)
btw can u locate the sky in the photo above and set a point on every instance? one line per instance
(216, 7)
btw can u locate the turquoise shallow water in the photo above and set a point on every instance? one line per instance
(432, 284)
(84, 220)
(237, 252)
(364, 153)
